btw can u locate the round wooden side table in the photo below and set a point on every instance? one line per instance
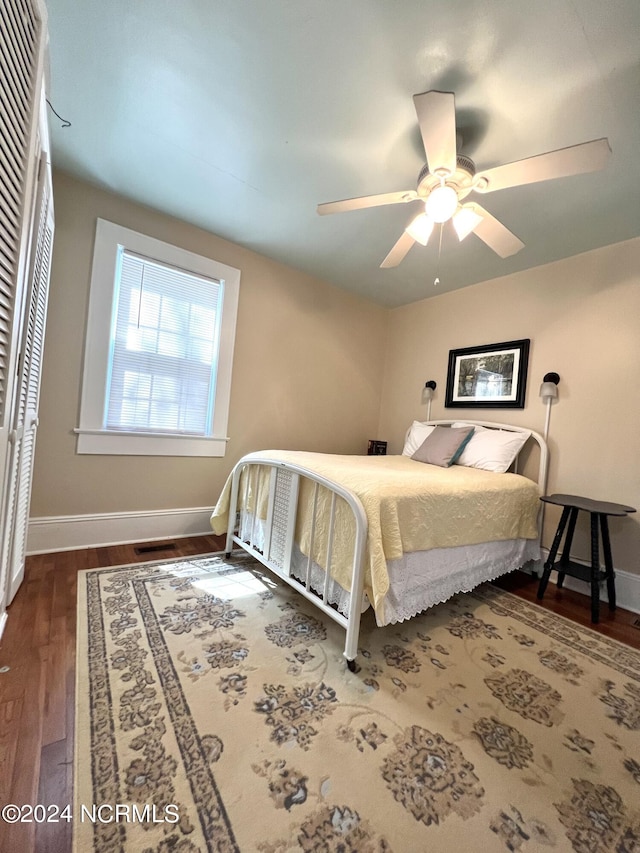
(593, 574)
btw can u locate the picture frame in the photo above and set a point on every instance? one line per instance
(490, 376)
(377, 448)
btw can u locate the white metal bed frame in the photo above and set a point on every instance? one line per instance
(273, 544)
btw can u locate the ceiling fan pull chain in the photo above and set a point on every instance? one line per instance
(436, 280)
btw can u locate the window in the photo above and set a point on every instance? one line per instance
(159, 349)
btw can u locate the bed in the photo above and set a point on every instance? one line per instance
(396, 533)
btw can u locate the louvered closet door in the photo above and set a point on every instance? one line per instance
(20, 37)
(23, 436)
(22, 27)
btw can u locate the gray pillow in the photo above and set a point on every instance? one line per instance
(443, 446)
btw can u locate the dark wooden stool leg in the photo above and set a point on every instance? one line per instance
(566, 551)
(608, 562)
(548, 566)
(595, 569)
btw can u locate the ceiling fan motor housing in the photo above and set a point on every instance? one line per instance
(461, 180)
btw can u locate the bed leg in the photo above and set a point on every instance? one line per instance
(227, 555)
(353, 666)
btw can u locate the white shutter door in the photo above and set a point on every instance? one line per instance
(22, 40)
(30, 372)
(19, 69)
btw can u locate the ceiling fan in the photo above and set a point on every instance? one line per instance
(448, 178)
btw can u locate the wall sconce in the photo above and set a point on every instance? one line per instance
(548, 394)
(427, 395)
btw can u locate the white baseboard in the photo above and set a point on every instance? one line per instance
(3, 622)
(66, 533)
(627, 586)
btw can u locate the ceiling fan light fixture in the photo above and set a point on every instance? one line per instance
(420, 229)
(465, 221)
(441, 203)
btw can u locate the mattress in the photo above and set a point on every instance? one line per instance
(410, 507)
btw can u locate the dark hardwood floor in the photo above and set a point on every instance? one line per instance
(37, 688)
(621, 625)
(37, 691)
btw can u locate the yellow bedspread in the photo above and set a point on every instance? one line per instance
(410, 506)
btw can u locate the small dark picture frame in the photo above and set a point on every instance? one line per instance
(490, 376)
(377, 448)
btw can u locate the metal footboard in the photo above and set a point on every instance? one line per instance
(272, 542)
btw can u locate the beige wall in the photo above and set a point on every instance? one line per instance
(583, 318)
(306, 373)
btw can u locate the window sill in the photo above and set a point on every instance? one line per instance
(105, 442)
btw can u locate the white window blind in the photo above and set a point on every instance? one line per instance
(164, 349)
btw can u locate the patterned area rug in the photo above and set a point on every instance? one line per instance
(215, 713)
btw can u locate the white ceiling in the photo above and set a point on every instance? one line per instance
(240, 116)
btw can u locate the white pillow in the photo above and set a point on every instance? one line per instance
(416, 435)
(492, 449)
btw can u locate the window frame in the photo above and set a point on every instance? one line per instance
(93, 437)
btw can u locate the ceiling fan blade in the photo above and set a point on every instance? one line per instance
(399, 251)
(575, 160)
(496, 235)
(437, 119)
(400, 197)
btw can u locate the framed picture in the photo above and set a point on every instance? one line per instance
(377, 448)
(491, 376)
